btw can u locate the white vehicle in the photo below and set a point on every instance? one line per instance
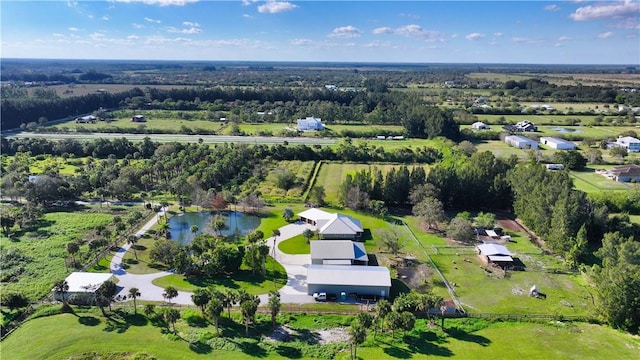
(320, 296)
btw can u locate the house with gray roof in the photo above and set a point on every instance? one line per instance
(338, 252)
(361, 280)
(333, 225)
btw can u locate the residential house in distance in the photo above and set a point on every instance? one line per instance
(630, 143)
(625, 173)
(310, 124)
(557, 143)
(83, 283)
(522, 126)
(479, 125)
(333, 225)
(520, 142)
(338, 252)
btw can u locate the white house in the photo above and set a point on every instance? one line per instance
(333, 225)
(479, 125)
(557, 143)
(520, 142)
(310, 124)
(83, 283)
(630, 143)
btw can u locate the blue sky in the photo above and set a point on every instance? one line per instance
(533, 32)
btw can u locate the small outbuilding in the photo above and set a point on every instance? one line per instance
(361, 280)
(479, 125)
(626, 173)
(138, 118)
(83, 283)
(495, 254)
(557, 143)
(310, 124)
(520, 142)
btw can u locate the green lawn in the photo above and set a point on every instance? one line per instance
(255, 284)
(589, 181)
(295, 245)
(126, 336)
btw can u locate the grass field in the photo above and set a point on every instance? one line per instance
(44, 250)
(332, 174)
(296, 245)
(126, 336)
(588, 181)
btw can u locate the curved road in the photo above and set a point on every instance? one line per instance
(295, 290)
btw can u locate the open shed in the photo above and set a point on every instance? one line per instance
(495, 254)
(83, 283)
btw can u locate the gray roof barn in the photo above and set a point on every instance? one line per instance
(362, 280)
(338, 252)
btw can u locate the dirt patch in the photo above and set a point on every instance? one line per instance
(326, 336)
(416, 277)
(509, 225)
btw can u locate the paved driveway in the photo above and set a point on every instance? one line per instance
(295, 291)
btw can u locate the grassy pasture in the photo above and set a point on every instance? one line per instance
(331, 175)
(588, 181)
(302, 171)
(89, 335)
(45, 250)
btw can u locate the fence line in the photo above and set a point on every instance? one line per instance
(452, 292)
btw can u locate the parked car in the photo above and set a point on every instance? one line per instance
(320, 296)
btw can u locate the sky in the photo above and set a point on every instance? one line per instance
(519, 32)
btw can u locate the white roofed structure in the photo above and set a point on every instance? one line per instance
(495, 253)
(338, 252)
(84, 282)
(333, 225)
(362, 280)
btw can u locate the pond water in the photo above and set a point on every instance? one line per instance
(565, 130)
(237, 223)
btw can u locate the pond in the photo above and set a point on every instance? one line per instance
(237, 223)
(565, 130)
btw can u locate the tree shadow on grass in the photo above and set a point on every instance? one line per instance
(251, 347)
(289, 352)
(397, 352)
(116, 325)
(200, 348)
(89, 320)
(466, 336)
(419, 344)
(136, 319)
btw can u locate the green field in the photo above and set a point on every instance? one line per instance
(44, 250)
(589, 181)
(125, 336)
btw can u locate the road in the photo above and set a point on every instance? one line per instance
(163, 138)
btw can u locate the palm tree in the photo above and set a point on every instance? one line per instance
(134, 293)
(248, 307)
(274, 306)
(171, 316)
(61, 288)
(73, 248)
(169, 293)
(308, 234)
(214, 309)
(357, 335)
(275, 233)
(200, 298)
(383, 308)
(194, 229)
(287, 214)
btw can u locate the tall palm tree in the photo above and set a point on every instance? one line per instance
(61, 288)
(169, 293)
(134, 293)
(73, 248)
(133, 240)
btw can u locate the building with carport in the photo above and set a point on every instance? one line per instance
(338, 252)
(361, 280)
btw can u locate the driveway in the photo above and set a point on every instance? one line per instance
(295, 290)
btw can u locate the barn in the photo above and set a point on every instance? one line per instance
(310, 124)
(360, 280)
(557, 143)
(495, 254)
(338, 252)
(520, 142)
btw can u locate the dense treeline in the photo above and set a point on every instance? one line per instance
(15, 112)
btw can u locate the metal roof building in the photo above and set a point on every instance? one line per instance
(361, 280)
(84, 282)
(557, 143)
(333, 225)
(338, 252)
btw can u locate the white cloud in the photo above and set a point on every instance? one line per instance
(248, 2)
(73, 29)
(475, 36)
(72, 4)
(187, 31)
(301, 42)
(498, 34)
(137, 26)
(410, 15)
(413, 31)
(190, 23)
(552, 7)
(160, 2)
(274, 7)
(383, 30)
(377, 44)
(564, 38)
(152, 20)
(345, 32)
(106, 18)
(57, 35)
(626, 9)
(605, 35)
(247, 16)
(528, 41)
